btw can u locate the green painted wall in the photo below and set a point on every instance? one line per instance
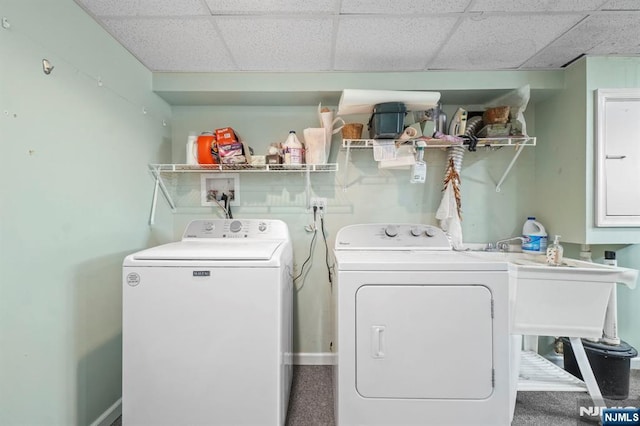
(560, 158)
(75, 200)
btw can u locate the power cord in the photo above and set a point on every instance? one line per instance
(224, 208)
(317, 212)
(313, 240)
(227, 205)
(326, 247)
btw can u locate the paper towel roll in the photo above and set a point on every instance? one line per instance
(355, 101)
(411, 132)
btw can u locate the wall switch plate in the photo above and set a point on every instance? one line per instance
(213, 185)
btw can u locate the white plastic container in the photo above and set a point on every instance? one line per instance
(192, 149)
(294, 150)
(535, 236)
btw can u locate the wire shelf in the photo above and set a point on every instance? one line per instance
(213, 168)
(181, 186)
(491, 142)
(539, 374)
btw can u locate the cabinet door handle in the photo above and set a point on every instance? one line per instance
(616, 157)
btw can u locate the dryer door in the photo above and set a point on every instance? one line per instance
(424, 341)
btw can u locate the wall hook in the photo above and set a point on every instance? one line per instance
(5, 23)
(47, 67)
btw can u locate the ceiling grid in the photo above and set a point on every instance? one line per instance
(367, 35)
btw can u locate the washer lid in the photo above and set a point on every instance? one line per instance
(219, 249)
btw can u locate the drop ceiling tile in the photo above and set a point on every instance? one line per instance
(376, 44)
(110, 7)
(622, 5)
(278, 44)
(172, 44)
(224, 7)
(597, 34)
(403, 6)
(618, 33)
(501, 41)
(535, 5)
(172, 8)
(145, 7)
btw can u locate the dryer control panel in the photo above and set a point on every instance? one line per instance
(392, 236)
(236, 228)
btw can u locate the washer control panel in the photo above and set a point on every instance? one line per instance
(392, 236)
(236, 228)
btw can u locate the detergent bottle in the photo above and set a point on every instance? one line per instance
(535, 236)
(294, 148)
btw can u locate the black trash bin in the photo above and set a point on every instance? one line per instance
(611, 365)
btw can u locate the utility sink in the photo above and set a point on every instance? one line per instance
(568, 300)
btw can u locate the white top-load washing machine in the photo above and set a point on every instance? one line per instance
(207, 335)
(422, 331)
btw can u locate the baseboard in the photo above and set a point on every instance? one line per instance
(314, 358)
(635, 363)
(108, 417)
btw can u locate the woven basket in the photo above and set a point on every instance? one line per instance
(352, 131)
(497, 115)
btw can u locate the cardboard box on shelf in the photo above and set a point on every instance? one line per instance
(226, 135)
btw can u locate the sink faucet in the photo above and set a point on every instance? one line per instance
(503, 245)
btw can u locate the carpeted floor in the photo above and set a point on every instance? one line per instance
(311, 402)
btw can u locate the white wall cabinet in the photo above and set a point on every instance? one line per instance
(617, 157)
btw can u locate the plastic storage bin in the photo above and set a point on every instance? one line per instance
(387, 120)
(610, 364)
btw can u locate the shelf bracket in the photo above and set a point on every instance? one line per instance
(346, 167)
(154, 201)
(159, 185)
(519, 149)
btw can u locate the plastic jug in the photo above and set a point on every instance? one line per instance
(293, 149)
(206, 148)
(192, 149)
(535, 236)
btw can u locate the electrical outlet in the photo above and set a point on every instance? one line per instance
(320, 203)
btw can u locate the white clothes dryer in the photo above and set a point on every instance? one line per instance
(422, 331)
(207, 335)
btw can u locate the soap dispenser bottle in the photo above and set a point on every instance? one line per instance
(555, 252)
